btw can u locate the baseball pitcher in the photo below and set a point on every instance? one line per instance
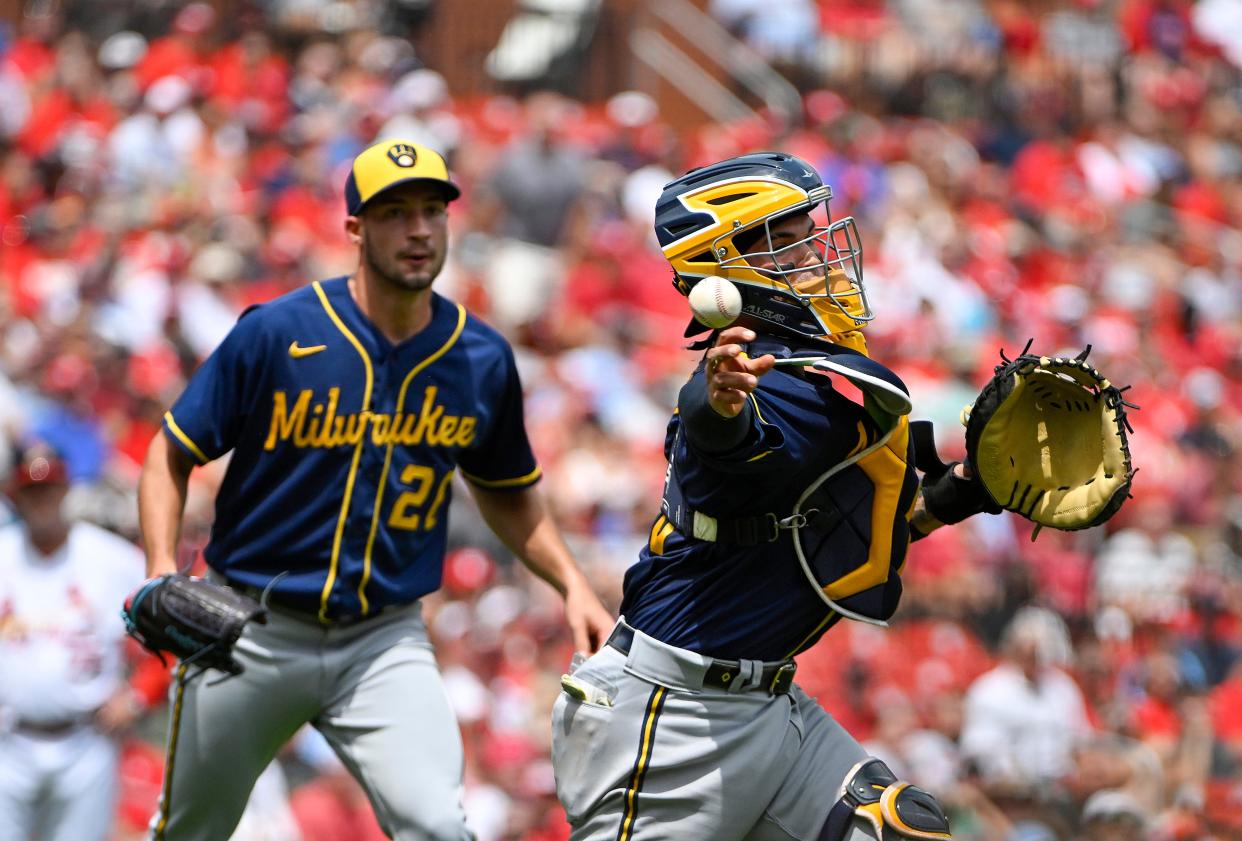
(348, 406)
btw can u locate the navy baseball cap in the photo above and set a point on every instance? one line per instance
(390, 163)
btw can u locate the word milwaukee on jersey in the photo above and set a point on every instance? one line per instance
(318, 424)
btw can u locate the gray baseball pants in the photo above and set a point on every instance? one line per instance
(651, 753)
(373, 689)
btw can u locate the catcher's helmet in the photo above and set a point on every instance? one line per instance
(717, 220)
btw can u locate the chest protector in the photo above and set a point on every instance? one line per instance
(850, 525)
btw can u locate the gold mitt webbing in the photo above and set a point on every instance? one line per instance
(1047, 437)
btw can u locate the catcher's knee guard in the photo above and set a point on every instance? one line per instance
(893, 808)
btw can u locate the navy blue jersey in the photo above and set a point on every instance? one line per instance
(345, 445)
(727, 600)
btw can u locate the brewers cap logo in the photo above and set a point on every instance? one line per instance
(403, 154)
(391, 162)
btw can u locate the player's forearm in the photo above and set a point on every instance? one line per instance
(161, 501)
(522, 521)
(706, 428)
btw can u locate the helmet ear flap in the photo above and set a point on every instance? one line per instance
(680, 285)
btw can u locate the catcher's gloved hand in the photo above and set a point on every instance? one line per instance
(949, 498)
(191, 618)
(1047, 440)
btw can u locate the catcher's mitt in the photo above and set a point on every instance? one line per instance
(1047, 439)
(192, 619)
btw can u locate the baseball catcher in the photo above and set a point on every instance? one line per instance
(1047, 439)
(193, 619)
(793, 460)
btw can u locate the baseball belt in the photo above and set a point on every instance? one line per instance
(274, 604)
(58, 727)
(776, 678)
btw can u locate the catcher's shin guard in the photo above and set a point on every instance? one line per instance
(894, 809)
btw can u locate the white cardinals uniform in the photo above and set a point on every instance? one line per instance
(61, 658)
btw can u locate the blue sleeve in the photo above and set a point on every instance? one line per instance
(706, 430)
(208, 417)
(502, 458)
(743, 444)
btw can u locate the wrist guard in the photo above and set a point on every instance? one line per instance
(950, 498)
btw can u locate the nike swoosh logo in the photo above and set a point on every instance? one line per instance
(298, 352)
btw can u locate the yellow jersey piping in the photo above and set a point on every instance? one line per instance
(185, 439)
(755, 402)
(818, 628)
(654, 705)
(174, 729)
(504, 483)
(379, 492)
(353, 466)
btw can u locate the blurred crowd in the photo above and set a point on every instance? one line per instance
(1063, 170)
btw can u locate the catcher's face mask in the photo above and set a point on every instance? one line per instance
(819, 265)
(736, 219)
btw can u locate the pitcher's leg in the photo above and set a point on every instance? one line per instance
(391, 724)
(223, 733)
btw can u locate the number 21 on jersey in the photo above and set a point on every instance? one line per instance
(408, 509)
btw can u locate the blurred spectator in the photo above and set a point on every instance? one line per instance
(928, 756)
(14, 101)
(64, 700)
(778, 29)
(65, 418)
(1110, 815)
(12, 423)
(527, 201)
(181, 52)
(1172, 719)
(418, 104)
(1024, 718)
(1144, 569)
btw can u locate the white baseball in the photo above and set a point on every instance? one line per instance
(715, 301)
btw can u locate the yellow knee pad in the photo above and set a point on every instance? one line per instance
(894, 808)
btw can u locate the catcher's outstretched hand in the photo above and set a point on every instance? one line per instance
(1047, 438)
(731, 374)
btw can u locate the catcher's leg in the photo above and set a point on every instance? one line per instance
(389, 720)
(835, 792)
(892, 808)
(223, 733)
(644, 751)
